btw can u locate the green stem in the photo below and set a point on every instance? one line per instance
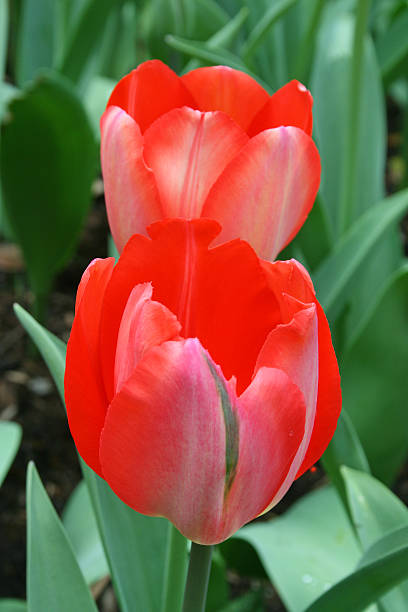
(356, 76)
(197, 578)
(175, 572)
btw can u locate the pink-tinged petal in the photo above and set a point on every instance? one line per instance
(150, 91)
(271, 427)
(228, 90)
(291, 277)
(163, 447)
(265, 194)
(84, 392)
(187, 151)
(291, 105)
(293, 348)
(144, 324)
(132, 199)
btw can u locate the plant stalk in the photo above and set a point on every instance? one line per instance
(197, 579)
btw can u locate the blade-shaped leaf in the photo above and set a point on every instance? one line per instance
(307, 549)
(380, 569)
(81, 527)
(54, 580)
(333, 276)
(4, 22)
(13, 605)
(44, 205)
(392, 46)
(10, 437)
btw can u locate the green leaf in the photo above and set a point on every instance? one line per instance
(82, 52)
(217, 595)
(95, 99)
(380, 569)
(54, 580)
(250, 602)
(47, 182)
(135, 547)
(51, 348)
(39, 37)
(307, 549)
(334, 275)
(330, 86)
(10, 438)
(376, 511)
(4, 24)
(375, 384)
(82, 530)
(392, 46)
(13, 605)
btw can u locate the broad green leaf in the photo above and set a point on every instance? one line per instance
(95, 99)
(375, 384)
(13, 605)
(83, 49)
(316, 225)
(217, 595)
(54, 580)
(306, 550)
(330, 88)
(334, 275)
(82, 530)
(40, 37)
(250, 602)
(47, 182)
(51, 348)
(10, 438)
(392, 46)
(4, 23)
(380, 569)
(376, 511)
(344, 449)
(135, 547)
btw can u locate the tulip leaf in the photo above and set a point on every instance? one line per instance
(54, 580)
(374, 381)
(95, 99)
(382, 567)
(307, 549)
(4, 23)
(330, 84)
(392, 46)
(45, 205)
(250, 602)
(217, 596)
(376, 511)
(135, 547)
(13, 605)
(10, 438)
(81, 527)
(51, 348)
(333, 277)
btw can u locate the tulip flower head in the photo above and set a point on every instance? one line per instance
(212, 143)
(200, 380)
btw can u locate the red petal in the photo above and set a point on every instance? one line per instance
(84, 394)
(265, 194)
(132, 200)
(228, 90)
(144, 324)
(150, 91)
(187, 151)
(290, 105)
(291, 277)
(219, 295)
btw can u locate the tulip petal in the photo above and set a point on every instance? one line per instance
(290, 105)
(292, 277)
(187, 151)
(132, 200)
(265, 194)
(293, 348)
(228, 90)
(84, 392)
(150, 91)
(196, 284)
(163, 447)
(177, 445)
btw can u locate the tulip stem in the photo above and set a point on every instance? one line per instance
(197, 578)
(175, 571)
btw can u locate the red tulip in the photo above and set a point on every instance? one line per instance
(200, 382)
(211, 143)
